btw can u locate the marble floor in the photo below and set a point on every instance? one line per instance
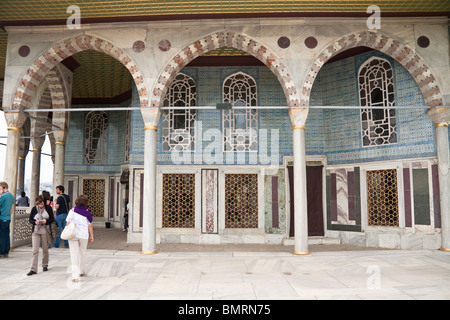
(232, 275)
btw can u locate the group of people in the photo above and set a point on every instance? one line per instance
(41, 217)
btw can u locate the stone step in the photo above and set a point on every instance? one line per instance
(313, 240)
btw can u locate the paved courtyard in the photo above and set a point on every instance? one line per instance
(263, 272)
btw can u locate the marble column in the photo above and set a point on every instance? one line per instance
(298, 119)
(12, 152)
(60, 148)
(441, 120)
(21, 174)
(23, 151)
(14, 122)
(444, 182)
(151, 119)
(35, 167)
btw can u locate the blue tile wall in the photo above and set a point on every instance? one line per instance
(338, 86)
(75, 161)
(209, 92)
(334, 133)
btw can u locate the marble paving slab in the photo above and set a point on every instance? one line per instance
(342, 275)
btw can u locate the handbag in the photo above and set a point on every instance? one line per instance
(69, 231)
(52, 232)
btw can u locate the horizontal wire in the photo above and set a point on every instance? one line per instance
(216, 108)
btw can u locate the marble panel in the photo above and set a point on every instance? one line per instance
(342, 196)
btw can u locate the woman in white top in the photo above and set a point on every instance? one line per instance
(82, 217)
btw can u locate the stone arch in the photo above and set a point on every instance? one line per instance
(49, 59)
(231, 39)
(60, 97)
(399, 51)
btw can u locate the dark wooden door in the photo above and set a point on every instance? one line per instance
(314, 198)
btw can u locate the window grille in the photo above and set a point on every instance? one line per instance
(178, 201)
(178, 125)
(94, 189)
(240, 125)
(95, 137)
(382, 198)
(376, 88)
(241, 201)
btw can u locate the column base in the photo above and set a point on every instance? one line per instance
(149, 252)
(444, 249)
(297, 253)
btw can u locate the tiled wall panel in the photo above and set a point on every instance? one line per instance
(334, 133)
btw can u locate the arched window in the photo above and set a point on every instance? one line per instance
(178, 125)
(376, 88)
(240, 125)
(95, 136)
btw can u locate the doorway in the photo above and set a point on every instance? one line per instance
(314, 191)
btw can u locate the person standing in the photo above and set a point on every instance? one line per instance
(23, 200)
(6, 202)
(41, 215)
(125, 218)
(47, 198)
(62, 208)
(82, 217)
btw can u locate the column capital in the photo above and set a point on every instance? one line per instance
(151, 117)
(298, 116)
(15, 120)
(37, 142)
(60, 135)
(439, 116)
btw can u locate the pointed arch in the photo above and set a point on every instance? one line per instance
(402, 53)
(230, 39)
(49, 59)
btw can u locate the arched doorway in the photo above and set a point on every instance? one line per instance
(208, 180)
(47, 67)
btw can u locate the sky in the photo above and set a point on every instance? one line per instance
(46, 161)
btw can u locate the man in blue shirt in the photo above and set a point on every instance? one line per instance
(6, 202)
(62, 209)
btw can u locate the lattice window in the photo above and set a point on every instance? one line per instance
(240, 125)
(22, 226)
(178, 125)
(127, 136)
(376, 88)
(94, 189)
(95, 137)
(382, 198)
(178, 201)
(241, 201)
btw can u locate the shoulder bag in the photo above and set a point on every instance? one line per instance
(69, 231)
